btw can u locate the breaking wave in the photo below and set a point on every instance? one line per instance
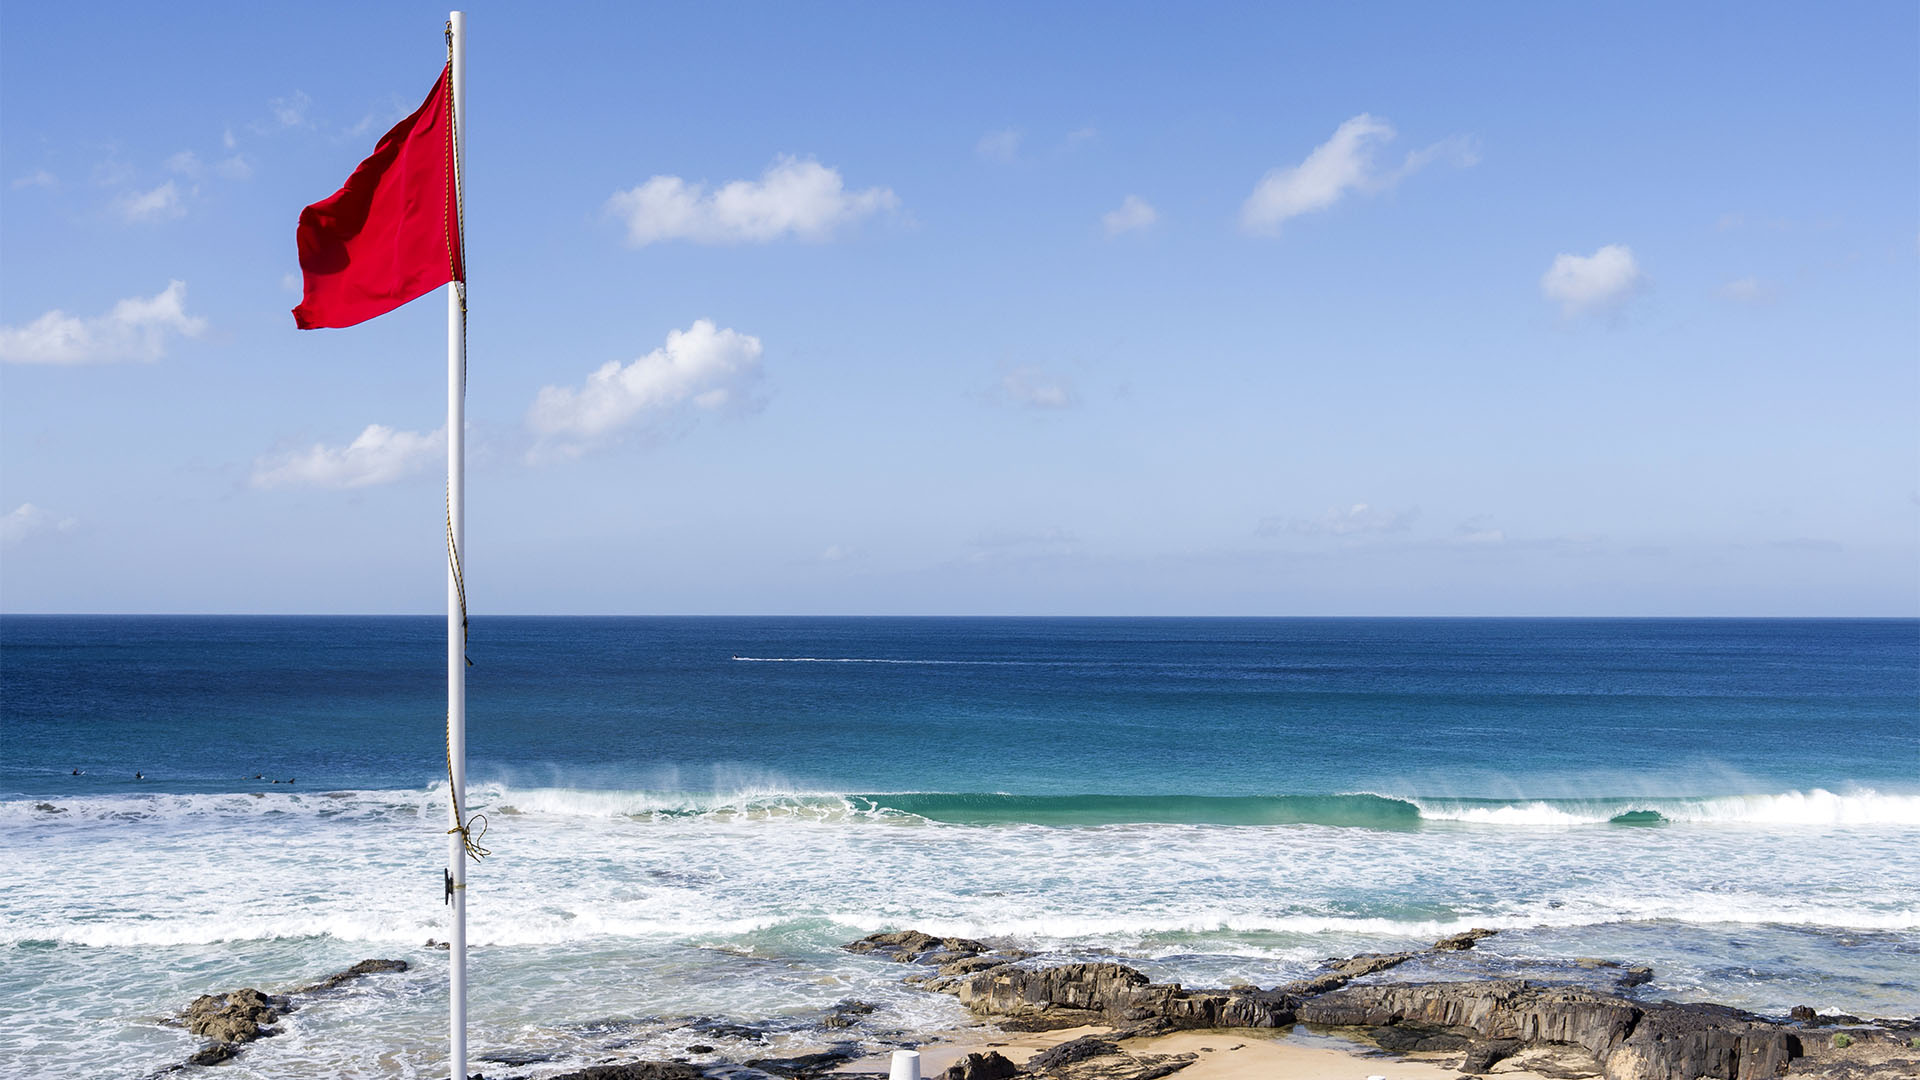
(1817, 807)
(1813, 808)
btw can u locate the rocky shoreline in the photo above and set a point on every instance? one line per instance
(231, 1020)
(1584, 1030)
(1585, 1024)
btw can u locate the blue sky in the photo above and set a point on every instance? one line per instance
(1100, 309)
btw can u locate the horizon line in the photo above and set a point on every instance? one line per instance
(893, 615)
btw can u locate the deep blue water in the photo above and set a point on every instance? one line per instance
(1497, 708)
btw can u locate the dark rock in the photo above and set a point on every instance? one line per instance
(1369, 963)
(1075, 994)
(363, 968)
(230, 1029)
(1212, 1008)
(941, 957)
(634, 1070)
(1150, 1028)
(1125, 1066)
(1627, 1040)
(1627, 978)
(1804, 1014)
(1482, 1056)
(1563, 1065)
(806, 1065)
(1702, 1040)
(727, 1029)
(1489, 1008)
(1044, 1022)
(699, 1048)
(213, 1054)
(912, 946)
(239, 1017)
(1463, 940)
(1343, 972)
(1087, 1046)
(515, 1059)
(1409, 1038)
(1094, 1058)
(1153, 1066)
(1071, 993)
(1572, 1030)
(988, 1066)
(845, 1014)
(973, 964)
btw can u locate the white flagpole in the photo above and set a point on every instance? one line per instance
(456, 602)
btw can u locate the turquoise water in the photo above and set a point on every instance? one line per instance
(689, 814)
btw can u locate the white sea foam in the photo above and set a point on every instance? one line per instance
(750, 802)
(1048, 932)
(1526, 813)
(1818, 807)
(126, 809)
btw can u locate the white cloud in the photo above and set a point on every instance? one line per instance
(1585, 284)
(112, 173)
(227, 140)
(1134, 213)
(1337, 167)
(188, 164)
(1478, 531)
(1081, 136)
(1013, 547)
(136, 329)
(380, 455)
(1356, 520)
(28, 520)
(794, 196)
(838, 553)
(291, 111)
(37, 178)
(1034, 388)
(159, 204)
(702, 367)
(1002, 145)
(1747, 290)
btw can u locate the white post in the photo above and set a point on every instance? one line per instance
(457, 542)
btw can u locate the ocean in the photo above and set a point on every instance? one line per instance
(689, 815)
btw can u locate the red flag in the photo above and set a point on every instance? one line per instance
(392, 233)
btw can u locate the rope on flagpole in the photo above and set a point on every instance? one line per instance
(469, 839)
(455, 218)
